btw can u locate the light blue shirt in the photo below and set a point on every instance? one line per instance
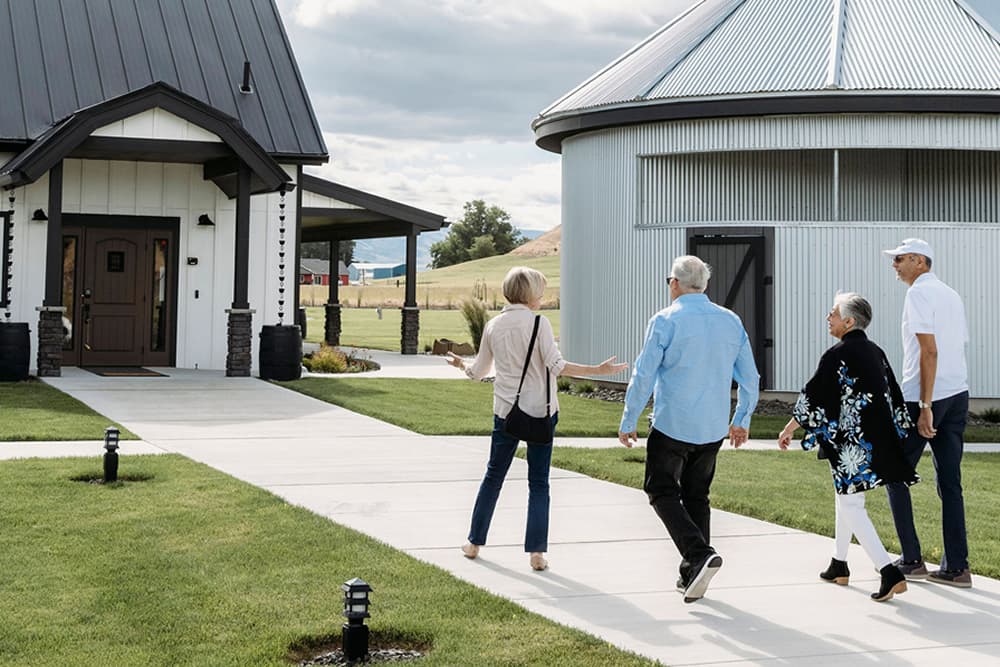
(693, 351)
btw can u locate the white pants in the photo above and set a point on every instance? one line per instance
(853, 519)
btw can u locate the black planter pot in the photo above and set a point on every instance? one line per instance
(280, 352)
(15, 350)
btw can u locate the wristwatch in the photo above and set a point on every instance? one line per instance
(922, 405)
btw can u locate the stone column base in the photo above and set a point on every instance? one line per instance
(331, 324)
(50, 341)
(238, 356)
(410, 334)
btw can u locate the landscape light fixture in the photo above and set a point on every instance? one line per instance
(39, 215)
(205, 221)
(356, 611)
(111, 435)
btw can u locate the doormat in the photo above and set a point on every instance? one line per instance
(123, 372)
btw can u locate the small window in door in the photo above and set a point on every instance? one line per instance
(116, 261)
(158, 331)
(69, 289)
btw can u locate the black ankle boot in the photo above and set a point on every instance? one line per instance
(893, 582)
(837, 573)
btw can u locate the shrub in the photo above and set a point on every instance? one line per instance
(563, 384)
(326, 360)
(331, 360)
(476, 316)
(991, 415)
(584, 388)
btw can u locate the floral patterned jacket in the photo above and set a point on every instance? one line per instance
(853, 410)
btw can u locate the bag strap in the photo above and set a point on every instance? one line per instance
(524, 371)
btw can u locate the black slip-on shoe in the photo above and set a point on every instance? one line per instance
(702, 577)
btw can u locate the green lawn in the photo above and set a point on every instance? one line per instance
(194, 568)
(794, 489)
(450, 407)
(361, 327)
(33, 410)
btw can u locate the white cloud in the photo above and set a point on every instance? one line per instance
(442, 177)
(429, 102)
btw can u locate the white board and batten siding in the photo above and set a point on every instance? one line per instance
(627, 213)
(103, 187)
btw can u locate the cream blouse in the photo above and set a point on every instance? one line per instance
(504, 346)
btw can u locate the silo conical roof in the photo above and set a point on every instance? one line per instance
(719, 52)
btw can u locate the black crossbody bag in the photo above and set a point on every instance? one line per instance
(523, 426)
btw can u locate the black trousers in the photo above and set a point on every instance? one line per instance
(678, 478)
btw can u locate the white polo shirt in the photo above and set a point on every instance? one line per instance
(932, 307)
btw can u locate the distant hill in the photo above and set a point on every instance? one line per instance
(393, 250)
(543, 246)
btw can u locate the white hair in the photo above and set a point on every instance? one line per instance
(691, 273)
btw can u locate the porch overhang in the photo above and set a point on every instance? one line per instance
(71, 138)
(366, 215)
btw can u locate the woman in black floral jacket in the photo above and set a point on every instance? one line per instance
(853, 410)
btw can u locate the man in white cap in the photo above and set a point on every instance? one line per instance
(936, 390)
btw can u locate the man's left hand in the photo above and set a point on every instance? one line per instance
(628, 439)
(738, 435)
(925, 424)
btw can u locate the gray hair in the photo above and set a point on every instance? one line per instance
(691, 273)
(854, 306)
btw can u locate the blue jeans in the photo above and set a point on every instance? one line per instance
(536, 535)
(950, 415)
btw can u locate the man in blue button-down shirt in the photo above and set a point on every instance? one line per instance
(692, 353)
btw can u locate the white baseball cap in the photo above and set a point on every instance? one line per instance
(915, 246)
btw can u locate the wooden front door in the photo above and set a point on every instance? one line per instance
(122, 284)
(741, 281)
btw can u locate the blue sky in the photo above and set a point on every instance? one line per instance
(429, 102)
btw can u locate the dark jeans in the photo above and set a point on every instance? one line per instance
(678, 477)
(536, 536)
(950, 415)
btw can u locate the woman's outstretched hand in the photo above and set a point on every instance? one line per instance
(609, 367)
(456, 361)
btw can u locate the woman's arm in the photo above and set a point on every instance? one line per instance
(606, 367)
(785, 437)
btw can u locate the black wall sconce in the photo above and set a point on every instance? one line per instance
(205, 221)
(111, 435)
(39, 215)
(245, 87)
(356, 611)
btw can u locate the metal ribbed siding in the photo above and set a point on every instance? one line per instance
(614, 272)
(812, 263)
(906, 185)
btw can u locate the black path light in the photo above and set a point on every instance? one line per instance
(356, 610)
(111, 435)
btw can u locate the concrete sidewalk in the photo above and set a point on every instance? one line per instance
(612, 567)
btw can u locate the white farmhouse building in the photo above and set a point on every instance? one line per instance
(786, 142)
(151, 165)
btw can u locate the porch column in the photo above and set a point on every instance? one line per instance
(331, 323)
(239, 356)
(50, 314)
(410, 334)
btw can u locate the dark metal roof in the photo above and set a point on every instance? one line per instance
(60, 56)
(65, 137)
